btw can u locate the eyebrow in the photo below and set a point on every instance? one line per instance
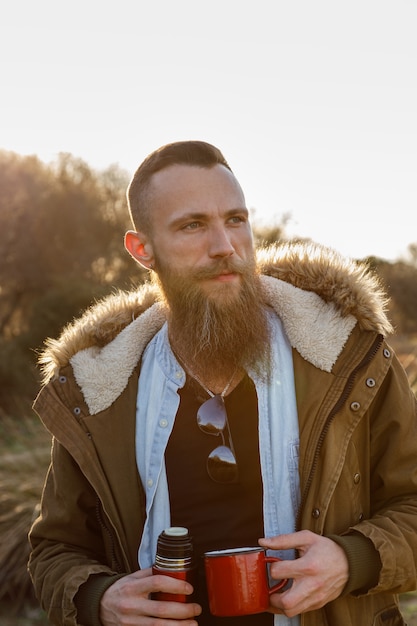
(199, 215)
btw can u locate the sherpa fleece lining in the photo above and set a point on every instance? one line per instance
(314, 328)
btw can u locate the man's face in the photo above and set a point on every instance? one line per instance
(201, 249)
(200, 228)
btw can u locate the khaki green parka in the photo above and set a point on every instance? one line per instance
(357, 422)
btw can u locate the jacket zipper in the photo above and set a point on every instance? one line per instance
(346, 391)
(99, 515)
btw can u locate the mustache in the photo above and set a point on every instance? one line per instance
(224, 266)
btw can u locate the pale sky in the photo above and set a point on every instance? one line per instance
(313, 102)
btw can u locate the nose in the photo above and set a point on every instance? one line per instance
(220, 244)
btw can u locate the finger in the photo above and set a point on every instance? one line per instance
(168, 584)
(136, 585)
(131, 601)
(291, 541)
(170, 610)
(316, 559)
(289, 569)
(317, 578)
(304, 595)
(289, 605)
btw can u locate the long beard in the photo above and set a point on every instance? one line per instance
(219, 333)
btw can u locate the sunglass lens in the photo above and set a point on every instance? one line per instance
(222, 466)
(211, 416)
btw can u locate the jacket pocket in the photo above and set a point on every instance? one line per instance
(389, 616)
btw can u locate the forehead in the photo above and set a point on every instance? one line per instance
(195, 188)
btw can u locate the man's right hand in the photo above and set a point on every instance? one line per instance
(128, 601)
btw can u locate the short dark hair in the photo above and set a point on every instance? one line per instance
(197, 153)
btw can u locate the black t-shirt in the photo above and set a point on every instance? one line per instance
(217, 515)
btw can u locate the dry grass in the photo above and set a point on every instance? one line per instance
(24, 457)
(409, 608)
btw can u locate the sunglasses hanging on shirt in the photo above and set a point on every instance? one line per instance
(212, 420)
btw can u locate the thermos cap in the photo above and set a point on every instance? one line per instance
(174, 543)
(176, 531)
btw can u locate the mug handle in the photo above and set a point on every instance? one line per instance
(279, 586)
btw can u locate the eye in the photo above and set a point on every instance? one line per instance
(237, 219)
(192, 226)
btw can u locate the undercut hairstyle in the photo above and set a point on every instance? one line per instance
(193, 153)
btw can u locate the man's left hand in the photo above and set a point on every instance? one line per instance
(318, 576)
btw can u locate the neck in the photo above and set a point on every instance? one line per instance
(213, 383)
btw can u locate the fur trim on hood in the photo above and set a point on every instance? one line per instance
(348, 284)
(344, 293)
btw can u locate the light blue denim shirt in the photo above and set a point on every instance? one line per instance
(160, 378)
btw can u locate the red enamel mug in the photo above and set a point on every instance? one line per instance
(237, 581)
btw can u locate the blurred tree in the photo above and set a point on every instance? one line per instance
(265, 235)
(412, 253)
(61, 246)
(23, 183)
(400, 282)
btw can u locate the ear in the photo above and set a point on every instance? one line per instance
(140, 248)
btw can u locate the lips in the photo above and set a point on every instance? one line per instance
(225, 276)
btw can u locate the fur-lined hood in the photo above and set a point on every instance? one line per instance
(319, 296)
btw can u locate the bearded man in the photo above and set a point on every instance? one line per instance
(319, 440)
